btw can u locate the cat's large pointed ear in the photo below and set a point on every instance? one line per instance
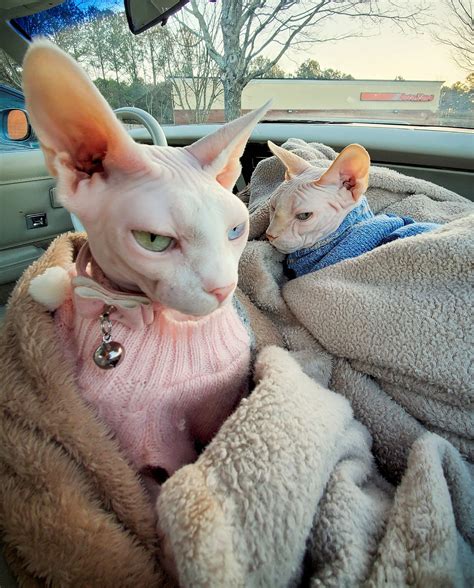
(77, 129)
(294, 164)
(220, 153)
(349, 170)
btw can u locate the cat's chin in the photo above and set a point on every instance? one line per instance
(191, 312)
(195, 314)
(285, 250)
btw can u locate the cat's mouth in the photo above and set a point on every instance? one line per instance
(186, 306)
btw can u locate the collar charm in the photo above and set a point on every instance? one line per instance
(110, 353)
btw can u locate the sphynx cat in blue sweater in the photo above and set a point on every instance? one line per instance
(319, 220)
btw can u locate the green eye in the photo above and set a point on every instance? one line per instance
(152, 242)
(304, 216)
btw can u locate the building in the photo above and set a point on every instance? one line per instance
(399, 101)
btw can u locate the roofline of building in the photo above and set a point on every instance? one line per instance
(326, 81)
(346, 81)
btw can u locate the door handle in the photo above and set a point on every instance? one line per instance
(36, 220)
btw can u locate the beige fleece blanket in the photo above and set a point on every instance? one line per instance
(296, 491)
(288, 494)
(397, 321)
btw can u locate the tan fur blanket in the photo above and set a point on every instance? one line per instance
(72, 512)
(289, 492)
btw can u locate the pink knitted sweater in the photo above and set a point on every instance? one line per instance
(179, 380)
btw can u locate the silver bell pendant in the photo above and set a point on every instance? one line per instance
(109, 354)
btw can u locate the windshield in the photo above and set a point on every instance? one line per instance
(333, 61)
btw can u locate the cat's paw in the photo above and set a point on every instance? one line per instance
(51, 288)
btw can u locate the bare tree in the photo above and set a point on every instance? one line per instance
(185, 61)
(10, 71)
(96, 43)
(133, 53)
(458, 33)
(71, 40)
(250, 28)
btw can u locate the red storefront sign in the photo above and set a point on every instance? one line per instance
(395, 97)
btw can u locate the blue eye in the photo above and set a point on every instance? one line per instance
(236, 232)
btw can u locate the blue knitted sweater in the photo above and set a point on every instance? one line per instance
(359, 232)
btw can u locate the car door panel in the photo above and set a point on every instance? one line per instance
(30, 215)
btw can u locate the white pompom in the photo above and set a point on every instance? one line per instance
(51, 288)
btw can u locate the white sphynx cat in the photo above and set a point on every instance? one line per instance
(165, 234)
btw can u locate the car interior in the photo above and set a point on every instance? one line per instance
(31, 215)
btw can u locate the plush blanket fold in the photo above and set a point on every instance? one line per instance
(402, 315)
(349, 464)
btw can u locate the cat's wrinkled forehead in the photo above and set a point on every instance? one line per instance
(291, 187)
(177, 170)
(173, 161)
(174, 195)
(177, 163)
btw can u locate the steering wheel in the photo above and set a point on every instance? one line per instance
(130, 113)
(144, 118)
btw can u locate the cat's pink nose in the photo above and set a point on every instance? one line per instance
(222, 293)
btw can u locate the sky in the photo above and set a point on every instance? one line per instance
(375, 58)
(386, 54)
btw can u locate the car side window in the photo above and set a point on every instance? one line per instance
(15, 129)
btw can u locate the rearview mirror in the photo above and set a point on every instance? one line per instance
(17, 127)
(143, 14)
